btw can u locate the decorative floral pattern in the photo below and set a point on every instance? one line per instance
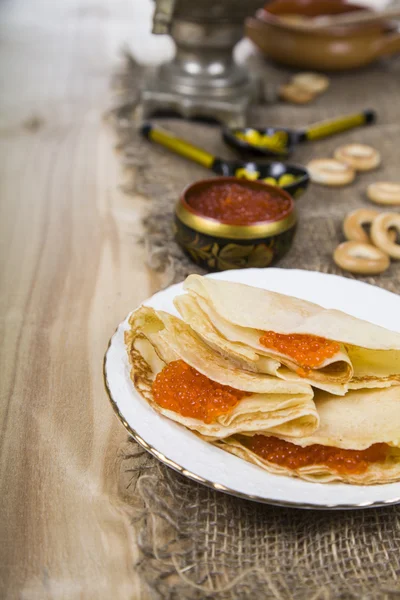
(298, 192)
(219, 254)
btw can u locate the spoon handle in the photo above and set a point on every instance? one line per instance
(327, 128)
(177, 145)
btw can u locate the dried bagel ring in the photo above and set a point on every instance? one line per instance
(358, 156)
(295, 93)
(357, 257)
(328, 171)
(313, 82)
(380, 233)
(353, 224)
(384, 192)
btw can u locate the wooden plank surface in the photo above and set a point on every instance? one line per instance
(70, 269)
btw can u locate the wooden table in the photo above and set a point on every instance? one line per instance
(71, 268)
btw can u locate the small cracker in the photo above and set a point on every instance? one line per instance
(331, 172)
(385, 193)
(314, 83)
(360, 157)
(291, 92)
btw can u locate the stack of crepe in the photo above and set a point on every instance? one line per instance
(294, 409)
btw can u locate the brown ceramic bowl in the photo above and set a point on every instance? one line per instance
(333, 49)
(218, 246)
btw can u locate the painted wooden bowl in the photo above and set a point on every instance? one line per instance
(218, 246)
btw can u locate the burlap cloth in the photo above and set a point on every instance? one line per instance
(198, 543)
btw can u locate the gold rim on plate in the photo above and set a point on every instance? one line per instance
(217, 486)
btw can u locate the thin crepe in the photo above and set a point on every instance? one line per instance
(362, 418)
(231, 317)
(276, 406)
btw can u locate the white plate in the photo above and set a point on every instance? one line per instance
(179, 448)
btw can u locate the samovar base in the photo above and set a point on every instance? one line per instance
(231, 108)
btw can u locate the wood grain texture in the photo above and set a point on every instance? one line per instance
(70, 268)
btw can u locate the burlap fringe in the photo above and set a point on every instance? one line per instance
(197, 543)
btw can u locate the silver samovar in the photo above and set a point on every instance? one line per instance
(203, 79)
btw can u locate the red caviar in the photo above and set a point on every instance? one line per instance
(238, 204)
(309, 351)
(182, 389)
(291, 456)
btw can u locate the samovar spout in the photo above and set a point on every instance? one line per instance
(162, 17)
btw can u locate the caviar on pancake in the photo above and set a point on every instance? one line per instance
(286, 454)
(239, 204)
(182, 389)
(308, 351)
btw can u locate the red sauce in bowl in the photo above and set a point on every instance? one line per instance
(235, 203)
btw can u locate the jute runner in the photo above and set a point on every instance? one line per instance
(197, 543)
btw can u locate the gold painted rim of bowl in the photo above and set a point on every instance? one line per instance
(212, 227)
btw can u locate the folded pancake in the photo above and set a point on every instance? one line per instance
(290, 338)
(358, 441)
(184, 379)
(373, 368)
